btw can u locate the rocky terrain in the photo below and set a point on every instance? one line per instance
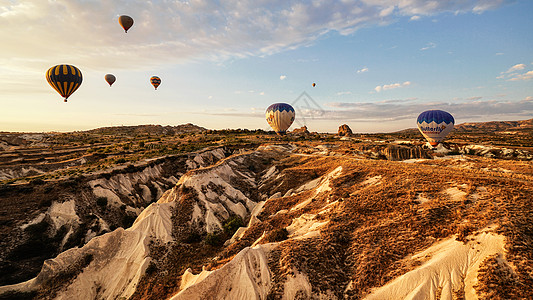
(308, 218)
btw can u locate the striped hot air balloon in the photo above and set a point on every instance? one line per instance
(435, 125)
(280, 117)
(65, 79)
(155, 81)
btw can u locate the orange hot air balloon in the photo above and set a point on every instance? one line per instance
(155, 81)
(65, 79)
(314, 84)
(110, 78)
(126, 22)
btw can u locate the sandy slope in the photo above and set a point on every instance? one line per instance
(449, 267)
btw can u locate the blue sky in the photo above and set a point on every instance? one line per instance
(377, 64)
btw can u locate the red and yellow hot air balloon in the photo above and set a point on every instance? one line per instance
(110, 78)
(65, 79)
(314, 84)
(126, 22)
(155, 81)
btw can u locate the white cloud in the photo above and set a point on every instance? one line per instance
(515, 68)
(428, 46)
(262, 93)
(282, 77)
(86, 33)
(387, 11)
(343, 93)
(363, 70)
(513, 73)
(528, 98)
(526, 76)
(500, 53)
(414, 18)
(391, 86)
(486, 5)
(475, 98)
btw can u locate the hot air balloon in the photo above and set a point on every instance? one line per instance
(110, 78)
(126, 22)
(314, 84)
(65, 79)
(280, 117)
(156, 81)
(435, 125)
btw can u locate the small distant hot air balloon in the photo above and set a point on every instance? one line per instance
(110, 78)
(126, 22)
(156, 81)
(435, 125)
(280, 117)
(65, 79)
(314, 84)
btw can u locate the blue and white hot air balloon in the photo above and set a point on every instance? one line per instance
(280, 117)
(435, 125)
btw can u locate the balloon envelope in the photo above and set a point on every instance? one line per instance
(280, 117)
(435, 125)
(110, 78)
(65, 79)
(155, 81)
(314, 84)
(126, 22)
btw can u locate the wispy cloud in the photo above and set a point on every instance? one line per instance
(343, 93)
(475, 98)
(363, 70)
(414, 18)
(283, 77)
(391, 86)
(513, 73)
(526, 76)
(88, 34)
(428, 46)
(391, 110)
(515, 68)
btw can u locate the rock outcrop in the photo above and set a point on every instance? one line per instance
(344, 130)
(397, 152)
(301, 131)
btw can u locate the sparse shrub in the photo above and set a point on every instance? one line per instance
(214, 239)
(127, 220)
(45, 203)
(277, 235)
(151, 269)
(131, 168)
(37, 181)
(101, 201)
(37, 229)
(454, 152)
(232, 224)
(15, 295)
(120, 161)
(194, 237)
